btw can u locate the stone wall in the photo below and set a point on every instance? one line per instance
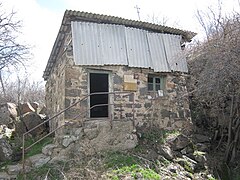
(170, 111)
(68, 84)
(55, 92)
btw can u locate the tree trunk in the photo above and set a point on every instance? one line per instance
(2, 84)
(230, 139)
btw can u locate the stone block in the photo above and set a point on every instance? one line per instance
(179, 142)
(48, 149)
(14, 169)
(129, 114)
(67, 102)
(67, 140)
(6, 176)
(117, 80)
(72, 92)
(165, 113)
(37, 160)
(170, 85)
(71, 113)
(91, 133)
(68, 83)
(5, 150)
(143, 91)
(72, 73)
(147, 105)
(181, 113)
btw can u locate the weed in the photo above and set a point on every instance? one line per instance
(118, 160)
(4, 164)
(211, 178)
(50, 171)
(135, 171)
(187, 167)
(158, 136)
(37, 148)
(162, 161)
(122, 164)
(139, 148)
(198, 153)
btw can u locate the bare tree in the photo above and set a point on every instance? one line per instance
(161, 20)
(23, 90)
(12, 53)
(215, 78)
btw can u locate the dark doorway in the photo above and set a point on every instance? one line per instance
(98, 83)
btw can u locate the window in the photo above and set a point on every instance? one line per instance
(155, 83)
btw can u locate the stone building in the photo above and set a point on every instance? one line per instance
(139, 68)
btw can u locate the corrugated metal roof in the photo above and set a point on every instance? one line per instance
(104, 44)
(83, 38)
(175, 57)
(137, 48)
(100, 18)
(70, 16)
(158, 54)
(99, 44)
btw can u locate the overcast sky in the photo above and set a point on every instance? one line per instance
(41, 19)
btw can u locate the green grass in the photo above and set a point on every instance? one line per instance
(37, 148)
(122, 164)
(4, 164)
(158, 136)
(135, 171)
(118, 160)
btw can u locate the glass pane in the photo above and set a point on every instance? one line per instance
(157, 87)
(150, 79)
(157, 80)
(150, 87)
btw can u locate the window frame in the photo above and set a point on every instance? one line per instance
(154, 82)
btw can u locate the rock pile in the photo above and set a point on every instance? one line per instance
(188, 153)
(15, 120)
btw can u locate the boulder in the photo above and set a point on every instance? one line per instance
(203, 147)
(25, 108)
(35, 106)
(187, 163)
(199, 138)
(188, 150)
(43, 110)
(68, 140)
(37, 160)
(48, 149)
(179, 142)
(29, 121)
(14, 169)
(5, 150)
(6, 176)
(165, 151)
(8, 113)
(152, 155)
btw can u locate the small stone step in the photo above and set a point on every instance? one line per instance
(37, 160)
(14, 169)
(5, 176)
(48, 149)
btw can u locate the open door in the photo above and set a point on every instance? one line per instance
(99, 83)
